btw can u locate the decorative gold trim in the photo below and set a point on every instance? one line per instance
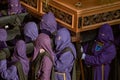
(30, 3)
(101, 17)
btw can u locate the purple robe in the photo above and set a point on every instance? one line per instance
(43, 42)
(10, 73)
(64, 61)
(103, 53)
(20, 55)
(14, 7)
(31, 30)
(5, 72)
(48, 22)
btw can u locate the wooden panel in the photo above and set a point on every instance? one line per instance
(62, 16)
(32, 5)
(90, 15)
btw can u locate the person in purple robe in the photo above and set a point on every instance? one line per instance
(65, 55)
(103, 52)
(30, 31)
(18, 70)
(14, 7)
(48, 24)
(42, 61)
(30, 35)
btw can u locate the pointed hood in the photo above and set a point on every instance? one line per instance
(43, 42)
(63, 40)
(105, 33)
(31, 30)
(48, 22)
(20, 55)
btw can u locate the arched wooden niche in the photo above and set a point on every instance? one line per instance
(78, 15)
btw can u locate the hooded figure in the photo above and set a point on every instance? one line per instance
(48, 24)
(30, 31)
(103, 52)
(19, 55)
(42, 59)
(20, 64)
(14, 7)
(64, 59)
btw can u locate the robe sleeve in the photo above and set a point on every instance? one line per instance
(104, 57)
(64, 61)
(46, 68)
(8, 73)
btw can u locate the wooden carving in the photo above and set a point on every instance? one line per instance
(78, 15)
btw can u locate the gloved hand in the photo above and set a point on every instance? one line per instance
(81, 53)
(79, 50)
(42, 50)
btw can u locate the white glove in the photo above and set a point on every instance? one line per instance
(83, 55)
(81, 49)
